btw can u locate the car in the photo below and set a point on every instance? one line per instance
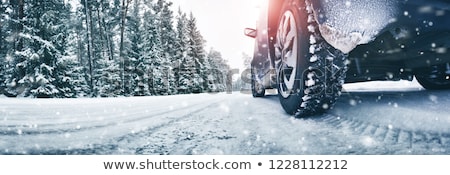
(307, 49)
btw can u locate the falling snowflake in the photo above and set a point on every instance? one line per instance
(353, 102)
(433, 98)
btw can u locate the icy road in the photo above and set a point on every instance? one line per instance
(364, 121)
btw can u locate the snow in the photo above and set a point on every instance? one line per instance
(314, 58)
(369, 118)
(312, 40)
(402, 85)
(391, 101)
(345, 42)
(45, 43)
(347, 25)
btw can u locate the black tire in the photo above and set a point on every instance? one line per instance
(434, 77)
(258, 89)
(310, 71)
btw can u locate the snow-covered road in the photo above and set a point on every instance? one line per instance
(364, 121)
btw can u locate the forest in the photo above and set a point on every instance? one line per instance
(104, 48)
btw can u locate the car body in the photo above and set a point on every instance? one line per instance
(377, 40)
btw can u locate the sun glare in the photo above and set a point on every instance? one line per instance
(255, 8)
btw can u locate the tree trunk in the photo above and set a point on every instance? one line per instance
(20, 16)
(124, 11)
(101, 30)
(89, 30)
(79, 48)
(106, 34)
(108, 42)
(1, 33)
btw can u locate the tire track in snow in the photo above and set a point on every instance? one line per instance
(212, 131)
(114, 144)
(27, 130)
(393, 140)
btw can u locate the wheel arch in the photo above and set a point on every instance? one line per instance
(273, 15)
(274, 11)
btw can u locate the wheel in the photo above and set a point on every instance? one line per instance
(434, 77)
(310, 72)
(258, 89)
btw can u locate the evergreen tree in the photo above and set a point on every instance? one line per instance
(77, 80)
(101, 21)
(85, 44)
(104, 48)
(196, 56)
(218, 72)
(164, 17)
(109, 81)
(76, 59)
(189, 77)
(107, 20)
(151, 51)
(67, 78)
(141, 79)
(3, 48)
(41, 44)
(3, 16)
(181, 44)
(135, 70)
(124, 59)
(13, 14)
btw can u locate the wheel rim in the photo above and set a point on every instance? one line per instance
(286, 53)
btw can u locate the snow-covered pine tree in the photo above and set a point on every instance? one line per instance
(13, 14)
(217, 74)
(196, 51)
(141, 79)
(123, 49)
(181, 44)
(101, 21)
(2, 74)
(104, 17)
(3, 49)
(74, 76)
(78, 55)
(54, 32)
(188, 74)
(137, 78)
(40, 45)
(164, 72)
(69, 73)
(85, 31)
(151, 50)
(109, 80)
(3, 18)
(112, 29)
(65, 77)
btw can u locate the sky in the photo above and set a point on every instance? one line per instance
(222, 23)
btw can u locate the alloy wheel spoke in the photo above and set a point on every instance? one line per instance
(287, 53)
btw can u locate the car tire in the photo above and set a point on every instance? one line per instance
(434, 77)
(258, 89)
(310, 72)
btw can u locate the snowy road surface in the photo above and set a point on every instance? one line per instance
(364, 121)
